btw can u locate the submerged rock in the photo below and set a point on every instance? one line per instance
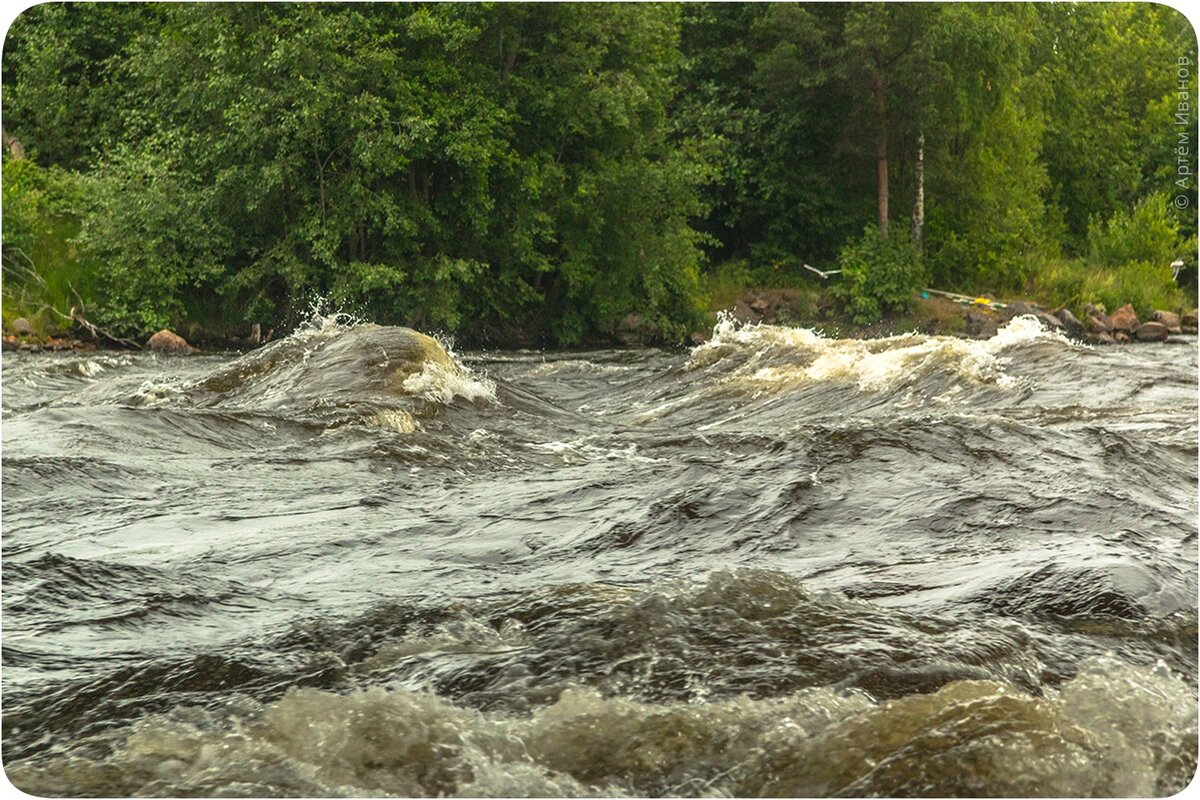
(166, 341)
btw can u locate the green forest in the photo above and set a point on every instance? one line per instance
(534, 173)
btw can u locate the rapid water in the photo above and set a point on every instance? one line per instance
(352, 563)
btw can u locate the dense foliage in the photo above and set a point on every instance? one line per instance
(536, 172)
(879, 273)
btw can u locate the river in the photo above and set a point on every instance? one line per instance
(350, 563)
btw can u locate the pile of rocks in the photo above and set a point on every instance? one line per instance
(1124, 326)
(1096, 327)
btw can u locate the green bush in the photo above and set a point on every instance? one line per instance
(43, 273)
(1147, 234)
(1129, 258)
(147, 225)
(879, 273)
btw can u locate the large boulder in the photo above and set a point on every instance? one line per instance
(166, 341)
(1187, 322)
(1020, 308)
(1125, 319)
(1151, 332)
(1169, 320)
(1072, 325)
(744, 314)
(1051, 322)
(980, 324)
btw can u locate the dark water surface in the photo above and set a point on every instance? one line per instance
(777, 564)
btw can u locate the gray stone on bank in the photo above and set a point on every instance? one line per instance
(1098, 322)
(979, 324)
(1052, 322)
(1020, 308)
(1151, 332)
(21, 326)
(1070, 323)
(634, 330)
(1101, 337)
(1168, 320)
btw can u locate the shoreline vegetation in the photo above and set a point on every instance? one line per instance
(978, 318)
(582, 175)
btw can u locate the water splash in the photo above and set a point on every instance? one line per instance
(1115, 729)
(763, 357)
(441, 383)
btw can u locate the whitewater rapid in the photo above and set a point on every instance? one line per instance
(357, 562)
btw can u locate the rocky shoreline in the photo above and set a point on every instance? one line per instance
(1097, 327)
(978, 318)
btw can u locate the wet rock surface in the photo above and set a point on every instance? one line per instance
(1125, 319)
(1151, 332)
(166, 341)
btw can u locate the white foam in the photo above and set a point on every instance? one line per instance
(158, 392)
(573, 365)
(581, 451)
(772, 356)
(440, 383)
(1115, 729)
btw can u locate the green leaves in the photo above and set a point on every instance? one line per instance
(879, 273)
(408, 159)
(1147, 233)
(148, 225)
(546, 169)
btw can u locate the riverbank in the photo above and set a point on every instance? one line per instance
(932, 313)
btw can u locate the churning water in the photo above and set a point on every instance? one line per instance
(351, 563)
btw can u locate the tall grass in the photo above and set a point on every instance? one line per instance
(44, 275)
(1075, 283)
(725, 283)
